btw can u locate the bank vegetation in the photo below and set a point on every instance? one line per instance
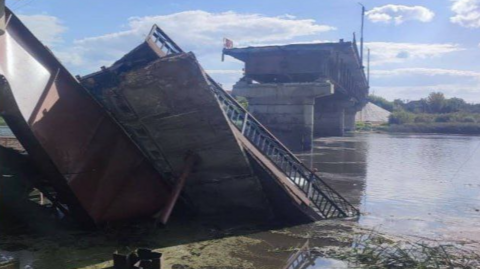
(434, 114)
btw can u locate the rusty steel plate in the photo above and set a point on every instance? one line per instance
(96, 170)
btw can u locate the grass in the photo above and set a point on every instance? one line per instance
(438, 127)
(375, 251)
(404, 117)
(426, 128)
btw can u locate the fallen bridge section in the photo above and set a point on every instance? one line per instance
(171, 105)
(168, 108)
(90, 167)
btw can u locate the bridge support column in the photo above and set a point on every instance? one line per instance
(350, 114)
(329, 117)
(287, 110)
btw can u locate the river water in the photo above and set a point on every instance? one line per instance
(5, 132)
(421, 186)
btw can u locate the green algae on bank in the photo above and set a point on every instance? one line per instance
(192, 246)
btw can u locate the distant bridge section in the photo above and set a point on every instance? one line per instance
(302, 91)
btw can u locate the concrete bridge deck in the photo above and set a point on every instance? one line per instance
(302, 91)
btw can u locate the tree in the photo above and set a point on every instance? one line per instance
(398, 104)
(436, 102)
(455, 105)
(420, 106)
(381, 102)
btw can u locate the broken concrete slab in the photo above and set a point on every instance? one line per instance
(169, 109)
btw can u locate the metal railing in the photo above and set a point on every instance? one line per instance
(302, 259)
(325, 200)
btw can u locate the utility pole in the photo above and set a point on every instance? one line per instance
(2, 17)
(368, 67)
(361, 32)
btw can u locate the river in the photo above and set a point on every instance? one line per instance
(421, 186)
(425, 185)
(5, 132)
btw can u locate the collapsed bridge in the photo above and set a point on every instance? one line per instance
(149, 132)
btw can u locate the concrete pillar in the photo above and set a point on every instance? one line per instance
(291, 123)
(287, 110)
(329, 118)
(350, 114)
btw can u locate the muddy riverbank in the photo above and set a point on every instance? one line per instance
(410, 188)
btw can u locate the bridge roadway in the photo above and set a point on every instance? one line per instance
(303, 91)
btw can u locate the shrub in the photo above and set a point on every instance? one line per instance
(439, 128)
(242, 101)
(381, 102)
(401, 117)
(422, 118)
(468, 119)
(443, 118)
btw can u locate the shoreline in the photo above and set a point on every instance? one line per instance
(433, 128)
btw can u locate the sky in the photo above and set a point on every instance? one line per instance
(417, 47)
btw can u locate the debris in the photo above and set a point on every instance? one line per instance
(7, 262)
(142, 258)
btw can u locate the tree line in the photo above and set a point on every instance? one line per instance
(435, 113)
(435, 103)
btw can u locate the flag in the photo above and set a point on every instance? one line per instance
(227, 43)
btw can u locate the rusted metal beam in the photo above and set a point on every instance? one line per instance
(190, 161)
(99, 174)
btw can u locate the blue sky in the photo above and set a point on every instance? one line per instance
(417, 46)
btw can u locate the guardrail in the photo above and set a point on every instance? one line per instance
(325, 200)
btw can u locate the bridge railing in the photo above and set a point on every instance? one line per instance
(325, 200)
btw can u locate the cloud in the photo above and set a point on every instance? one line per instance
(226, 77)
(398, 14)
(426, 72)
(48, 29)
(198, 31)
(390, 52)
(467, 13)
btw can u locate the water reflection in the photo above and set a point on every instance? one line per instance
(306, 258)
(341, 161)
(425, 185)
(5, 132)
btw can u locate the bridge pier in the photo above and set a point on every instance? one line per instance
(286, 109)
(350, 114)
(329, 117)
(334, 116)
